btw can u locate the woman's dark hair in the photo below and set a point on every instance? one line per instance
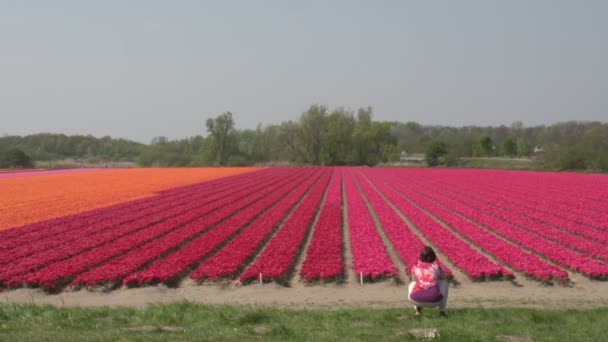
(427, 254)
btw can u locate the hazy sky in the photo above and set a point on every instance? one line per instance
(139, 69)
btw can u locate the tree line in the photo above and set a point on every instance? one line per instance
(339, 136)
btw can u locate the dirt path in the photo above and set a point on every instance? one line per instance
(349, 274)
(523, 293)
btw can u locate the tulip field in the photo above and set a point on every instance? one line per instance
(72, 229)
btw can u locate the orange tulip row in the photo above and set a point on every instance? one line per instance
(26, 200)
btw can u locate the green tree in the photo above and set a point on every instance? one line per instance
(222, 134)
(261, 148)
(523, 147)
(15, 157)
(159, 140)
(266, 144)
(383, 144)
(288, 138)
(362, 137)
(510, 147)
(487, 145)
(337, 137)
(435, 152)
(311, 130)
(245, 148)
(594, 144)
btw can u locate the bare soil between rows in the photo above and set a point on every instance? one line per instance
(582, 294)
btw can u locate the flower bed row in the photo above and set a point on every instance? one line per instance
(530, 215)
(531, 197)
(118, 240)
(235, 255)
(135, 216)
(36, 231)
(474, 264)
(34, 199)
(62, 272)
(370, 257)
(172, 267)
(573, 212)
(324, 260)
(576, 242)
(278, 257)
(558, 194)
(546, 248)
(527, 263)
(407, 244)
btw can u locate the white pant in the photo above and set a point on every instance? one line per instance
(444, 286)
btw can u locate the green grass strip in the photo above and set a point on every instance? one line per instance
(187, 321)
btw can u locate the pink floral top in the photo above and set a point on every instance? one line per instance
(426, 275)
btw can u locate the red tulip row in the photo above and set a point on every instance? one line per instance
(216, 228)
(371, 259)
(235, 255)
(324, 259)
(512, 255)
(474, 264)
(66, 225)
(548, 249)
(568, 215)
(588, 211)
(576, 242)
(227, 218)
(407, 244)
(63, 271)
(544, 207)
(133, 217)
(279, 256)
(564, 216)
(102, 218)
(525, 213)
(81, 255)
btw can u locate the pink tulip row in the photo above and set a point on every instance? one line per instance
(172, 267)
(407, 244)
(191, 243)
(578, 213)
(497, 189)
(324, 259)
(536, 224)
(502, 201)
(235, 255)
(558, 191)
(107, 217)
(548, 249)
(63, 271)
(532, 197)
(474, 264)
(586, 211)
(370, 257)
(115, 225)
(576, 242)
(57, 264)
(278, 258)
(512, 255)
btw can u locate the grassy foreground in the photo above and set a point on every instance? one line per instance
(187, 321)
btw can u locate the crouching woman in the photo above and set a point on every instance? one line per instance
(430, 286)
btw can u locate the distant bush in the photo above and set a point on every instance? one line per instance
(435, 153)
(15, 158)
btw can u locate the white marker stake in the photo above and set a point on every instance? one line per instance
(361, 277)
(260, 278)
